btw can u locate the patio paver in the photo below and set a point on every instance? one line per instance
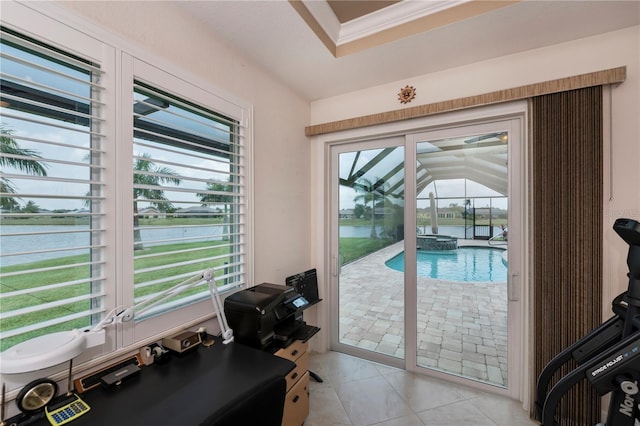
(462, 327)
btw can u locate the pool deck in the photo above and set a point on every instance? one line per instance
(462, 327)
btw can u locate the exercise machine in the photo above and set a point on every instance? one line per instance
(609, 356)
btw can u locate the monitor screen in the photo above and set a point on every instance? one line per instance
(300, 302)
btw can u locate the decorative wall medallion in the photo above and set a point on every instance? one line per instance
(406, 95)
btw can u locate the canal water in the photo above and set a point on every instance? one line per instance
(150, 236)
(61, 236)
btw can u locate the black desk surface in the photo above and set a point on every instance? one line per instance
(191, 386)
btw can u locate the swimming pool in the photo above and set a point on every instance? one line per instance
(466, 264)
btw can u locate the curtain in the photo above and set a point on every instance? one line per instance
(566, 158)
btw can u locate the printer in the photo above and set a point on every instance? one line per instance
(268, 316)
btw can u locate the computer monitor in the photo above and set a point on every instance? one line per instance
(306, 284)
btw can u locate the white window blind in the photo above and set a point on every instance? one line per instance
(188, 196)
(52, 235)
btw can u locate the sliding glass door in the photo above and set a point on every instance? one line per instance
(425, 250)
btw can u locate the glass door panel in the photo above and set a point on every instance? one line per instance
(370, 215)
(461, 268)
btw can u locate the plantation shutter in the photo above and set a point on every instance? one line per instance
(52, 231)
(188, 196)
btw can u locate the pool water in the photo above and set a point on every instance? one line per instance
(466, 264)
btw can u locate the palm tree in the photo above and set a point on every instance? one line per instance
(145, 175)
(223, 196)
(369, 192)
(11, 157)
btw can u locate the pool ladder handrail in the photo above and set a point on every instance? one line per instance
(494, 241)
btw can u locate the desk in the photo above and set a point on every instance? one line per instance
(223, 385)
(267, 317)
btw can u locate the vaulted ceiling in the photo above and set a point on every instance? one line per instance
(323, 48)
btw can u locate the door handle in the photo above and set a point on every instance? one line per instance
(513, 288)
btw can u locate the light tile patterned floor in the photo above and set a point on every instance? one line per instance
(360, 392)
(462, 327)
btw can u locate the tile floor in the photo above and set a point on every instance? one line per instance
(360, 392)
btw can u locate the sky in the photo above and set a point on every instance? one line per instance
(448, 191)
(64, 147)
(68, 162)
(60, 166)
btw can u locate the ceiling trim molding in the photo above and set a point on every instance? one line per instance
(324, 17)
(423, 24)
(310, 20)
(597, 78)
(389, 17)
(392, 23)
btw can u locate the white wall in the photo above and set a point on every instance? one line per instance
(281, 151)
(622, 171)
(621, 196)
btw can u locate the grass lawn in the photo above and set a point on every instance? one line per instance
(74, 299)
(354, 248)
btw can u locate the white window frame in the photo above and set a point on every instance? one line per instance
(132, 69)
(122, 60)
